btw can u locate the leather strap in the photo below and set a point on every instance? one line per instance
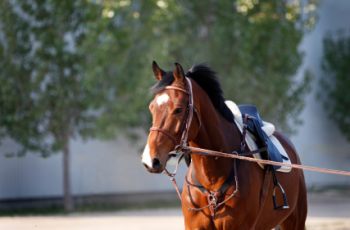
(177, 88)
(263, 193)
(171, 137)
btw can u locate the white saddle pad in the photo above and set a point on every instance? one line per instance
(268, 128)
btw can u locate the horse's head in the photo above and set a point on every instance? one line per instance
(170, 109)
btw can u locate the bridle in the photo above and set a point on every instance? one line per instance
(182, 148)
(183, 143)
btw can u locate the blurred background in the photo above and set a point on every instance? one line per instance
(75, 79)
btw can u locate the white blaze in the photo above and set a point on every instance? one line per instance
(162, 99)
(146, 157)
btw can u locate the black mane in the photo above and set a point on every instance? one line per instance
(206, 78)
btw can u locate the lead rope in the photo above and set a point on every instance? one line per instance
(206, 152)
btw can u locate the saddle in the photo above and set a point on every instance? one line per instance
(260, 134)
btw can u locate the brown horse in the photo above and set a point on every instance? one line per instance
(213, 178)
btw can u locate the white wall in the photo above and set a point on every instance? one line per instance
(97, 167)
(318, 141)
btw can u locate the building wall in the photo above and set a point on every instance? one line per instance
(318, 140)
(96, 168)
(115, 166)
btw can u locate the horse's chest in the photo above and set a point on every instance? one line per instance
(211, 211)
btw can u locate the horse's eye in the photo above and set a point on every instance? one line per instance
(177, 111)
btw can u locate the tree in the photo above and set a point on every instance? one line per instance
(43, 88)
(252, 44)
(335, 81)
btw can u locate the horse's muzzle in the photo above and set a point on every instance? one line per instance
(156, 166)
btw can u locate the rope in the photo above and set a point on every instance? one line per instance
(200, 151)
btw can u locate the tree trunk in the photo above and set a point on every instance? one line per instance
(68, 201)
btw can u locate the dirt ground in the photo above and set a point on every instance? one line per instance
(326, 211)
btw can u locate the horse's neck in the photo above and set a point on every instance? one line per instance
(218, 134)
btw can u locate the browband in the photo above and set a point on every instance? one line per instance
(177, 88)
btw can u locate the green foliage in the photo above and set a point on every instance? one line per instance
(17, 117)
(252, 44)
(45, 98)
(335, 82)
(83, 67)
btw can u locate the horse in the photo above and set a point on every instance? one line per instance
(246, 203)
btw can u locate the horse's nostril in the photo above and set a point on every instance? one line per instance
(155, 163)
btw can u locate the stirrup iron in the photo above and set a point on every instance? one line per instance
(277, 185)
(285, 201)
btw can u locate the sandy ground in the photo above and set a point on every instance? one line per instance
(329, 211)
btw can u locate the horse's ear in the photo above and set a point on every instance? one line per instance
(179, 73)
(158, 72)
